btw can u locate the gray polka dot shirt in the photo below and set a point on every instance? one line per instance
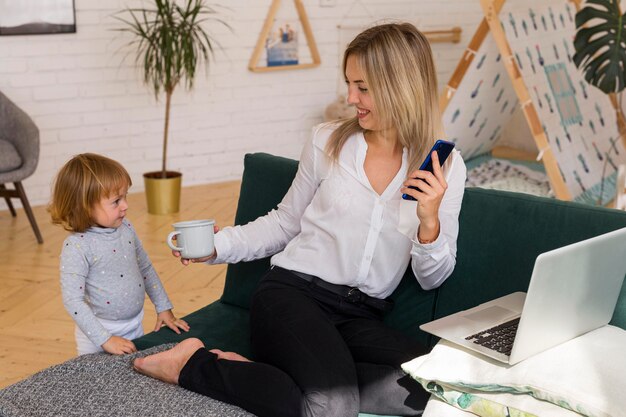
(106, 273)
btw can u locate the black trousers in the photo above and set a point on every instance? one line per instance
(316, 355)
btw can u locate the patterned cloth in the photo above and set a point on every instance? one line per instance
(105, 274)
(501, 174)
(103, 385)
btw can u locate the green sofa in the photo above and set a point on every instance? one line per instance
(500, 236)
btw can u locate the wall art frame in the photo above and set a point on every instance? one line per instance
(37, 17)
(284, 60)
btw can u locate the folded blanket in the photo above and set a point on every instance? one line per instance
(506, 175)
(586, 375)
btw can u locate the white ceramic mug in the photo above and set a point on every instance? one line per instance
(194, 238)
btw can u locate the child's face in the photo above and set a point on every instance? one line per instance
(111, 210)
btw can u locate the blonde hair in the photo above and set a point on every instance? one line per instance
(82, 182)
(397, 64)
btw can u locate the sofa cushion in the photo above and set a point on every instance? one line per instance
(501, 234)
(266, 179)
(218, 325)
(412, 306)
(9, 158)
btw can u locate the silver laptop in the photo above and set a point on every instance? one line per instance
(573, 290)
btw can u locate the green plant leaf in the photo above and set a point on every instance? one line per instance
(170, 41)
(600, 45)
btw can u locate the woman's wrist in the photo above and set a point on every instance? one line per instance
(428, 233)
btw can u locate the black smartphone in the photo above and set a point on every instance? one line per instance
(444, 149)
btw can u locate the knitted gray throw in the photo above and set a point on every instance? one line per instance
(105, 385)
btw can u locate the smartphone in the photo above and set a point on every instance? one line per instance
(444, 149)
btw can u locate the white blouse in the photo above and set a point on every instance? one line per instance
(332, 224)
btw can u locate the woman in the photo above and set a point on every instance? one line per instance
(341, 240)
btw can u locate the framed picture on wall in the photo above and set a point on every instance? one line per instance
(279, 38)
(37, 17)
(282, 46)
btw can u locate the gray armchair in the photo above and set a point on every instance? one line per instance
(19, 155)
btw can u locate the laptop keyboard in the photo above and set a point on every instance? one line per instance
(499, 338)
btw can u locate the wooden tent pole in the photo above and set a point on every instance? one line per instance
(463, 65)
(491, 9)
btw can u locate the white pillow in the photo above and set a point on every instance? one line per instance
(586, 375)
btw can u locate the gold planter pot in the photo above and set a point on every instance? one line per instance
(163, 194)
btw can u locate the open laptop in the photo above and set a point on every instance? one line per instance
(573, 290)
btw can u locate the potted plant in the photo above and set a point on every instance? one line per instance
(600, 53)
(170, 42)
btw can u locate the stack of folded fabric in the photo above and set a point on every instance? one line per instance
(507, 175)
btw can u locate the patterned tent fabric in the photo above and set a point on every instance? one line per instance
(483, 104)
(578, 119)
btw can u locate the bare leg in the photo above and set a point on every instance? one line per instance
(166, 366)
(231, 356)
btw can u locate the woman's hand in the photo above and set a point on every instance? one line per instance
(118, 346)
(432, 187)
(186, 261)
(167, 318)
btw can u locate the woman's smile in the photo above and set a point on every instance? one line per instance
(362, 113)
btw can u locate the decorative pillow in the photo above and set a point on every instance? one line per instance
(437, 408)
(586, 375)
(9, 158)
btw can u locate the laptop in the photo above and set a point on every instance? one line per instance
(573, 290)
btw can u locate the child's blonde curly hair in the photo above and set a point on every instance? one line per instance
(82, 182)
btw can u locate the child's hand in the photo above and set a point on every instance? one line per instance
(167, 318)
(118, 346)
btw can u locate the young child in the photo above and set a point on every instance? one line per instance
(104, 268)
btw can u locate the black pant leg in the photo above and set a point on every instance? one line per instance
(305, 368)
(378, 352)
(262, 389)
(291, 330)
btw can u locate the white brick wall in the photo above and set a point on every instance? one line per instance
(84, 98)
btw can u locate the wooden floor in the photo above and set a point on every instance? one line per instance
(36, 331)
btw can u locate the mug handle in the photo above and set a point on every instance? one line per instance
(170, 243)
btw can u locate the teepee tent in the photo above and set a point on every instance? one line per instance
(521, 56)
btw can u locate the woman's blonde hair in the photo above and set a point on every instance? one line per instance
(82, 182)
(397, 64)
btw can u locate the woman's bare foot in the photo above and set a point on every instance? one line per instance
(231, 356)
(166, 366)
